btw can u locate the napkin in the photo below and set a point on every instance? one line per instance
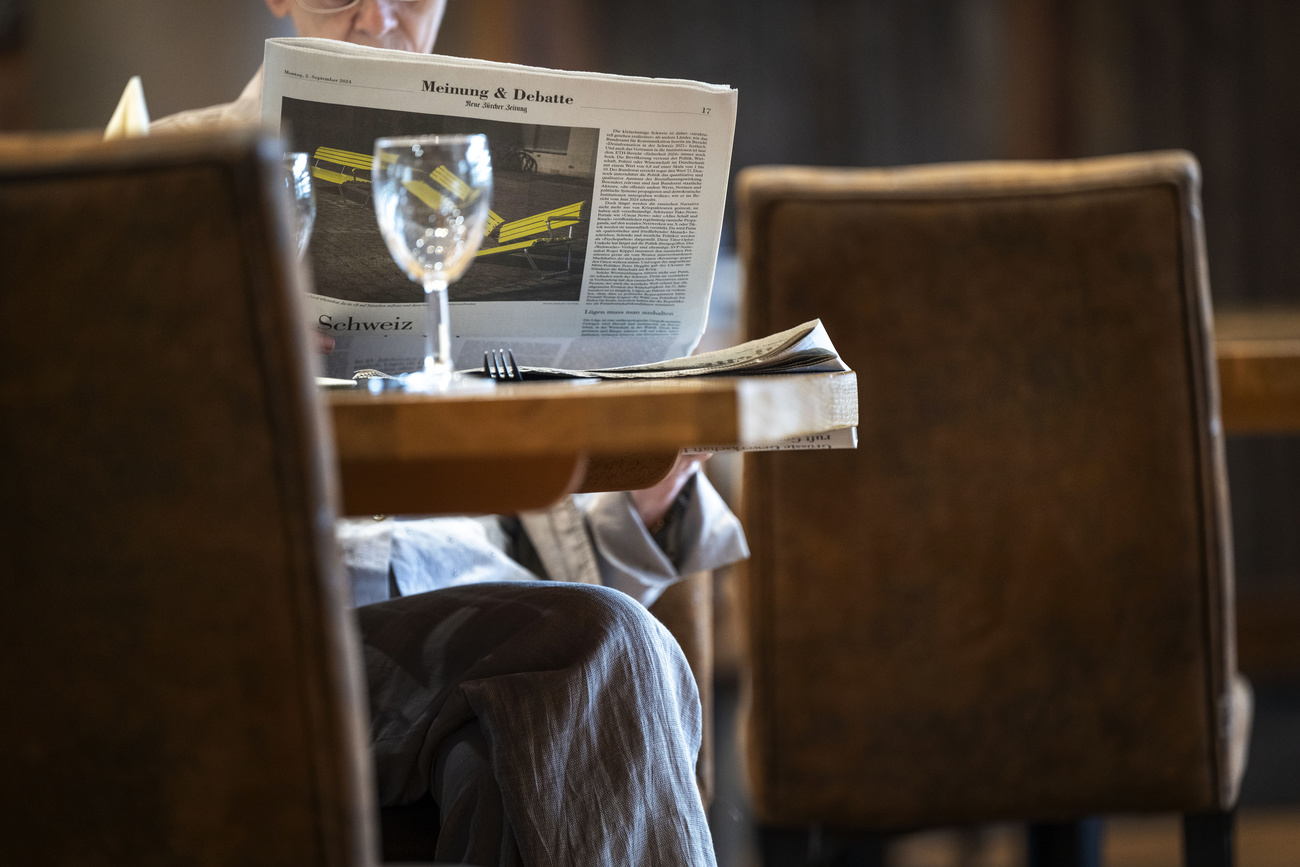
(131, 117)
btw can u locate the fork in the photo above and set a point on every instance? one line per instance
(500, 365)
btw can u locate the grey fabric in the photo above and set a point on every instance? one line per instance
(588, 708)
(587, 538)
(366, 547)
(474, 828)
(432, 553)
(707, 536)
(561, 543)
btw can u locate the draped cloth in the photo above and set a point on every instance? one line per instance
(586, 704)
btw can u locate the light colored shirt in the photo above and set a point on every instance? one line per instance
(591, 539)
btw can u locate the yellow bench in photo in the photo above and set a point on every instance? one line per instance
(506, 248)
(547, 221)
(350, 159)
(331, 176)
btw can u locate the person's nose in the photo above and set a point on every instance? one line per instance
(376, 17)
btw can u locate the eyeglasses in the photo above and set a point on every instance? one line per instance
(326, 7)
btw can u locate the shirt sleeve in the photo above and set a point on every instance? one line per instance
(703, 534)
(365, 546)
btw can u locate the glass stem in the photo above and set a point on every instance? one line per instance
(437, 330)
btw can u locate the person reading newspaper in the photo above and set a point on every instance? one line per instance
(554, 723)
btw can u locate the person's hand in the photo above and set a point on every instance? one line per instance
(652, 504)
(324, 342)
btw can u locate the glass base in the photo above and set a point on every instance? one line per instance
(426, 382)
(434, 377)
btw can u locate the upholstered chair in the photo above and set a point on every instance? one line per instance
(1014, 599)
(181, 676)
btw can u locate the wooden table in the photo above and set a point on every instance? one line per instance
(1259, 369)
(1259, 383)
(522, 446)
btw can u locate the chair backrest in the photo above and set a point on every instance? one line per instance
(180, 675)
(1014, 599)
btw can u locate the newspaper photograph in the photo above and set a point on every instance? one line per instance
(608, 196)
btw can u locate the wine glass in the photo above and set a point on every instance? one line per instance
(297, 177)
(431, 197)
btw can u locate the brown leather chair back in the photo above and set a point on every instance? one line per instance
(180, 673)
(1014, 599)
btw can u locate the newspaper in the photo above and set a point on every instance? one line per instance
(642, 164)
(806, 348)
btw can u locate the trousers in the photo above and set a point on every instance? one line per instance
(554, 724)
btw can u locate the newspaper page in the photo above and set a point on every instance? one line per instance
(806, 348)
(640, 164)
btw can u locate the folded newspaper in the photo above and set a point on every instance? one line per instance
(806, 348)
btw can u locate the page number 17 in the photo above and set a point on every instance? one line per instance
(708, 110)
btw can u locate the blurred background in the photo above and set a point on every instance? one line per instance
(864, 83)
